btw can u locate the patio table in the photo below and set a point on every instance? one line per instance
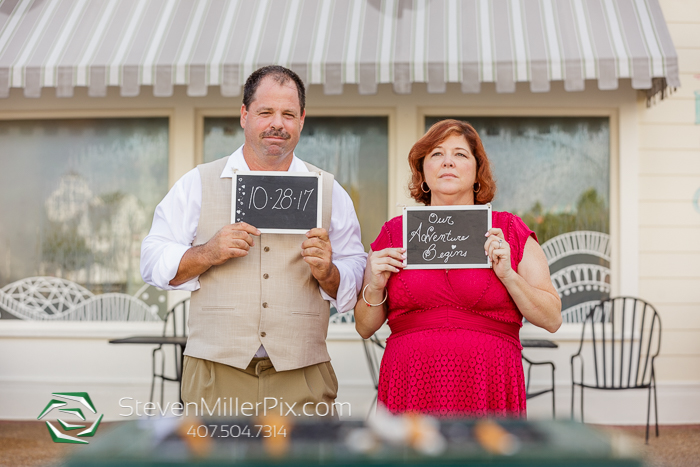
(175, 340)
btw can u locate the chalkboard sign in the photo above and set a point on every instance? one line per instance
(446, 237)
(277, 202)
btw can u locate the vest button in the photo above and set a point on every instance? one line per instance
(264, 304)
(266, 276)
(262, 334)
(267, 248)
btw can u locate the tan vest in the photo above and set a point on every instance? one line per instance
(268, 297)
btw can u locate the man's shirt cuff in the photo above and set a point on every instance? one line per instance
(167, 266)
(347, 290)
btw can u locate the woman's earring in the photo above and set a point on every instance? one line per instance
(477, 187)
(423, 189)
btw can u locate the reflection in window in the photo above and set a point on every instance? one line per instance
(354, 149)
(554, 172)
(78, 197)
(222, 136)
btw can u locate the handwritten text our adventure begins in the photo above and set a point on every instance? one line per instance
(445, 237)
(430, 238)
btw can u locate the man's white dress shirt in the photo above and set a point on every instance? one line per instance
(175, 227)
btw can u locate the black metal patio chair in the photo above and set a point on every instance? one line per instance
(374, 350)
(175, 325)
(625, 339)
(530, 395)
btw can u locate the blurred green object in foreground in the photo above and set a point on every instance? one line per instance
(241, 442)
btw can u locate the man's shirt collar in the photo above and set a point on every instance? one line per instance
(237, 161)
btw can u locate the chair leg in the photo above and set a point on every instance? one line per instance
(372, 405)
(582, 392)
(153, 384)
(646, 439)
(153, 377)
(162, 380)
(656, 408)
(573, 389)
(554, 414)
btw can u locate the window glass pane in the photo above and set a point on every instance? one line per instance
(222, 136)
(354, 149)
(78, 197)
(554, 172)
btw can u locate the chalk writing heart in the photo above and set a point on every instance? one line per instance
(454, 246)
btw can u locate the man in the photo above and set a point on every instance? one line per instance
(259, 309)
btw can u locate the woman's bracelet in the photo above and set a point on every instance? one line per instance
(386, 294)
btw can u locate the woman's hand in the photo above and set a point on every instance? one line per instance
(381, 264)
(371, 309)
(498, 250)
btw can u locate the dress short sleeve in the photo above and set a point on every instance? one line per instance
(516, 233)
(519, 233)
(389, 236)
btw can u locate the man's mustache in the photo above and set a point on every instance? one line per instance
(275, 134)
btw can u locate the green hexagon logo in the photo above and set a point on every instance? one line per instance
(61, 404)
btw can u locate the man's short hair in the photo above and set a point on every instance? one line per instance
(280, 74)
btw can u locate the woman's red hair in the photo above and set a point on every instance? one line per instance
(438, 133)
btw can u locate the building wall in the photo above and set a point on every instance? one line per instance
(669, 215)
(648, 195)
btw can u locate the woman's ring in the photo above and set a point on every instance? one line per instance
(500, 243)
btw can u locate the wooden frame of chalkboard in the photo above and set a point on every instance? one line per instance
(277, 202)
(426, 227)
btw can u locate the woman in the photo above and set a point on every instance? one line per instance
(454, 346)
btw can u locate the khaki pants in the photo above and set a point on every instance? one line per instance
(259, 389)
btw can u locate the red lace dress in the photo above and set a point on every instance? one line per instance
(454, 347)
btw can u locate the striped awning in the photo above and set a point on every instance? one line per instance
(202, 43)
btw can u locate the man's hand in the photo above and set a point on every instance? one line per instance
(232, 241)
(318, 254)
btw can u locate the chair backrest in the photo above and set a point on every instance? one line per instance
(625, 335)
(374, 349)
(341, 318)
(576, 243)
(175, 323)
(54, 299)
(155, 298)
(579, 265)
